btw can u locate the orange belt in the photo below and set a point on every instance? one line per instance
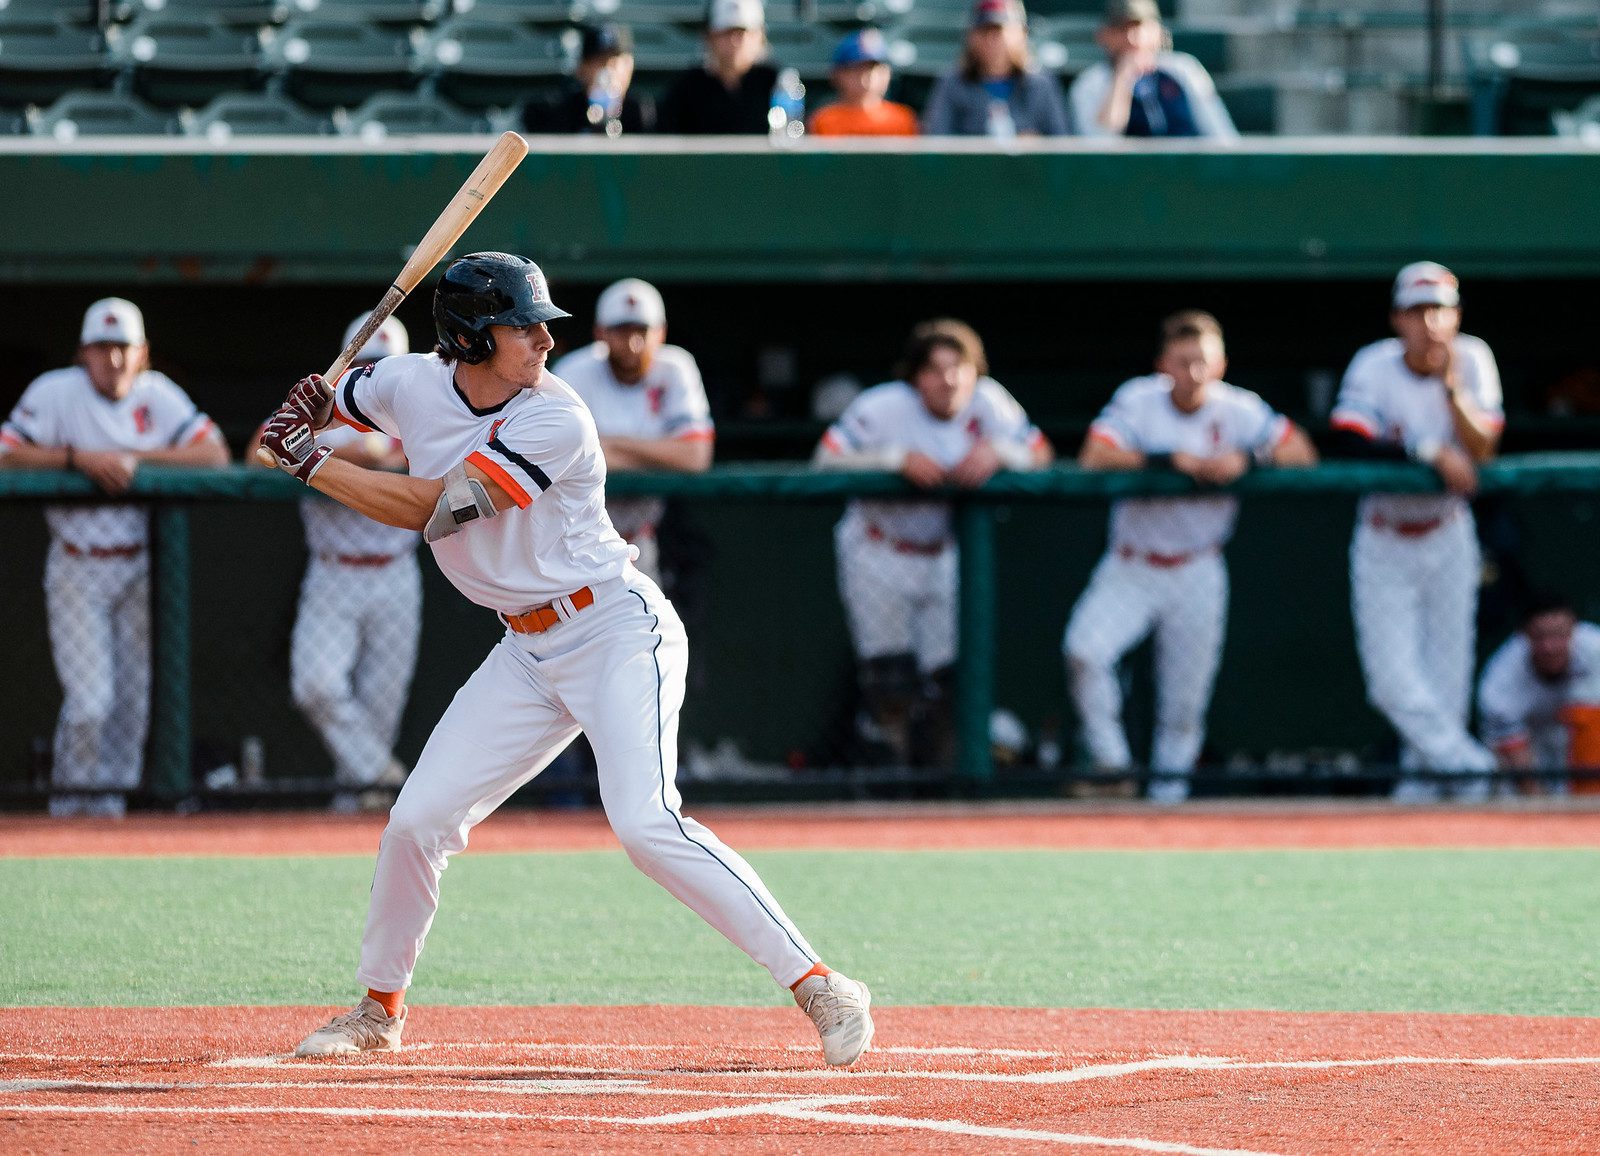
(101, 551)
(1162, 561)
(902, 546)
(542, 618)
(359, 559)
(1406, 529)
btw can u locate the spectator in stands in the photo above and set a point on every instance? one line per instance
(1145, 89)
(995, 90)
(861, 78)
(1431, 394)
(1539, 698)
(598, 96)
(731, 91)
(648, 401)
(943, 422)
(104, 417)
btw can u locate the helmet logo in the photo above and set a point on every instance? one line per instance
(536, 286)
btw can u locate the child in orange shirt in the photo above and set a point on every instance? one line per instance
(861, 77)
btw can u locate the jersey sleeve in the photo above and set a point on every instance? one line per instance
(685, 411)
(177, 418)
(1006, 420)
(364, 396)
(34, 420)
(1117, 424)
(858, 429)
(1261, 428)
(533, 451)
(1502, 722)
(1359, 406)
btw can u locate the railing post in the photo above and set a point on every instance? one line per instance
(975, 662)
(168, 776)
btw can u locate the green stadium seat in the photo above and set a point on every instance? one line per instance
(661, 51)
(240, 13)
(325, 63)
(850, 13)
(186, 61)
(1582, 123)
(251, 114)
(535, 12)
(687, 13)
(375, 11)
(83, 12)
(76, 115)
(492, 64)
(1520, 77)
(44, 58)
(923, 46)
(1207, 45)
(1065, 45)
(404, 114)
(807, 48)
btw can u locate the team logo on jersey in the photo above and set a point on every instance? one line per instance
(1216, 435)
(141, 419)
(974, 428)
(495, 428)
(536, 285)
(654, 396)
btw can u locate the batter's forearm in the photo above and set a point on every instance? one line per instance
(393, 499)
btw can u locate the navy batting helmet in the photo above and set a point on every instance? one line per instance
(484, 289)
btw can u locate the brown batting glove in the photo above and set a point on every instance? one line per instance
(312, 398)
(287, 437)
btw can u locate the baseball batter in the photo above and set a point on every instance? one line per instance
(1431, 394)
(648, 402)
(508, 487)
(943, 422)
(354, 646)
(103, 416)
(1163, 570)
(1539, 697)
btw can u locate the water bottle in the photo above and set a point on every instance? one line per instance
(251, 761)
(604, 113)
(1001, 126)
(786, 116)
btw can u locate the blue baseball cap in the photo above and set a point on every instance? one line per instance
(863, 47)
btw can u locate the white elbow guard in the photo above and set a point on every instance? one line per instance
(464, 500)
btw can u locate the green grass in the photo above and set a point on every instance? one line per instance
(1462, 931)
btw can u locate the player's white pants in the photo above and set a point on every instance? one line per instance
(99, 611)
(1187, 607)
(615, 670)
(1415, 604)
(897, 603)
(351, 658)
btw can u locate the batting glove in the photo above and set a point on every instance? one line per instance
(312, 398)
(287, 437)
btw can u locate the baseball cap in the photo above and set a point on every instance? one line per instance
(726, 14)
(630, 302)
(113, 319)
(986, 12)
(387, 340)
(861, 47)
(1131, 11)
(605, 40)
(1426, 283)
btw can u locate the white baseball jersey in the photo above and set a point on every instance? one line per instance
(1142, 417)
(542, 443)
(1383, 400)
(335, 529)
(62, 408)
(668, 402)
(893, 416)
(1516, 706)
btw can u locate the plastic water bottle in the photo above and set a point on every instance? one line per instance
(1001, 126)
(604, 113)
(786, 115)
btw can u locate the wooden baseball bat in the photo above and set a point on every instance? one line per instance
(497, 164)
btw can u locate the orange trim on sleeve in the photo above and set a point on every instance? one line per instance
(493, 468)
(10, 438)
(1101, 436)
(697, 435)
(1515, 743)
(200, 434)
(1355, 425)
(831, 443)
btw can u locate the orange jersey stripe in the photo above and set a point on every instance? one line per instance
(697, 435)
(496, 471)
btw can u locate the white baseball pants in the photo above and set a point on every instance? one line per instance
(351, 658)
(1415, 600)
(898, 603)
(99, 612)
(1127, 598)
(616, 671)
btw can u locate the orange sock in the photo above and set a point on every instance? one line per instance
(392, 1001)
(819, 969)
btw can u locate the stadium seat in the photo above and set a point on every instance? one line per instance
(849, 13)
(491, 64)
(404, 114)
(807, 48)
(1522, 76)
(1582, 123)
(83, 114)
(251, 114)
(326, 63)
(687, 13)
(186, 60)
(536, 12)
(375, 11)
(239, 13)
(43, 58)
(924, 45)
(84, 12)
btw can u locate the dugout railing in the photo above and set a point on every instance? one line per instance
(1291, 695)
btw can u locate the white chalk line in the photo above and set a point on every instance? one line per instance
(488, 1088)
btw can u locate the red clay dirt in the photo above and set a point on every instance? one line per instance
(881, 827)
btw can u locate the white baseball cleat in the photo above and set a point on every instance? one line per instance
(838, 1006)
(364, 1028)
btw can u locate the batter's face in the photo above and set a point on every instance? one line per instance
(519, 355)
(631, 349)
(1423, 327)
(1550, 643)
(946, 382)
(112, 366)
(1193, 363)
